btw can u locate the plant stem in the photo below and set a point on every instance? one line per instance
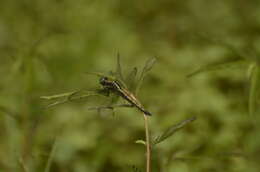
(148, 147)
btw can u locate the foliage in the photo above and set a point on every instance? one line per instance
(47, 46)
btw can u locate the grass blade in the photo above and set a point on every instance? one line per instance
(218, 65)
(57, 96)
(73, 96)
(171, 130)
(56, 103)
(22, 165)
(51, 156)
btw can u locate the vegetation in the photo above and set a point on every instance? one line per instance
(207, 66)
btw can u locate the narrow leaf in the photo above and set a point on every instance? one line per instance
(218, 65)
(74, 96)
(82, 94)
(51, 156)
(23, 165)
(57, 96)
(56, 103)
(173, 129)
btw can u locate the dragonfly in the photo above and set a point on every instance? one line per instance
(113, 85)
(125, 87)
(117, 88)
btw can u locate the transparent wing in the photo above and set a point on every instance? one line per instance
(119, 73)
(147, 67)
(131, 80)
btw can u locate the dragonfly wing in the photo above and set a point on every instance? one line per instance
(131, 79)
(119, 73)
(147, 67)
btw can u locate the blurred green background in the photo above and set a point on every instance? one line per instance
(46, 46)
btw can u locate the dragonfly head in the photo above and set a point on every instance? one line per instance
(103, 81)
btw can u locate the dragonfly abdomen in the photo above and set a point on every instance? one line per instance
(133, 101)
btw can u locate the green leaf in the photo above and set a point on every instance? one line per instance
(73, 96)
(142, 142)
(56, 103)
(254, 90)
(218, 65)
(57, 96)
(171, 130)
(147, 67)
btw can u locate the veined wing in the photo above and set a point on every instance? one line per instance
(119, 73)
(147, 67)
(131, 80)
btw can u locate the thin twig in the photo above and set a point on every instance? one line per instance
(51, 156)
(148, 147)
(22, 164)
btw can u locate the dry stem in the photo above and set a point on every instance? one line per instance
(148, 147)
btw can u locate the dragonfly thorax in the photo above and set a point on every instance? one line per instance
(109, 84)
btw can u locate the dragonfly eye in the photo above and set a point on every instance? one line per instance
(103, 80)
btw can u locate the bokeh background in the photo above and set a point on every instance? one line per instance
(46, 46)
